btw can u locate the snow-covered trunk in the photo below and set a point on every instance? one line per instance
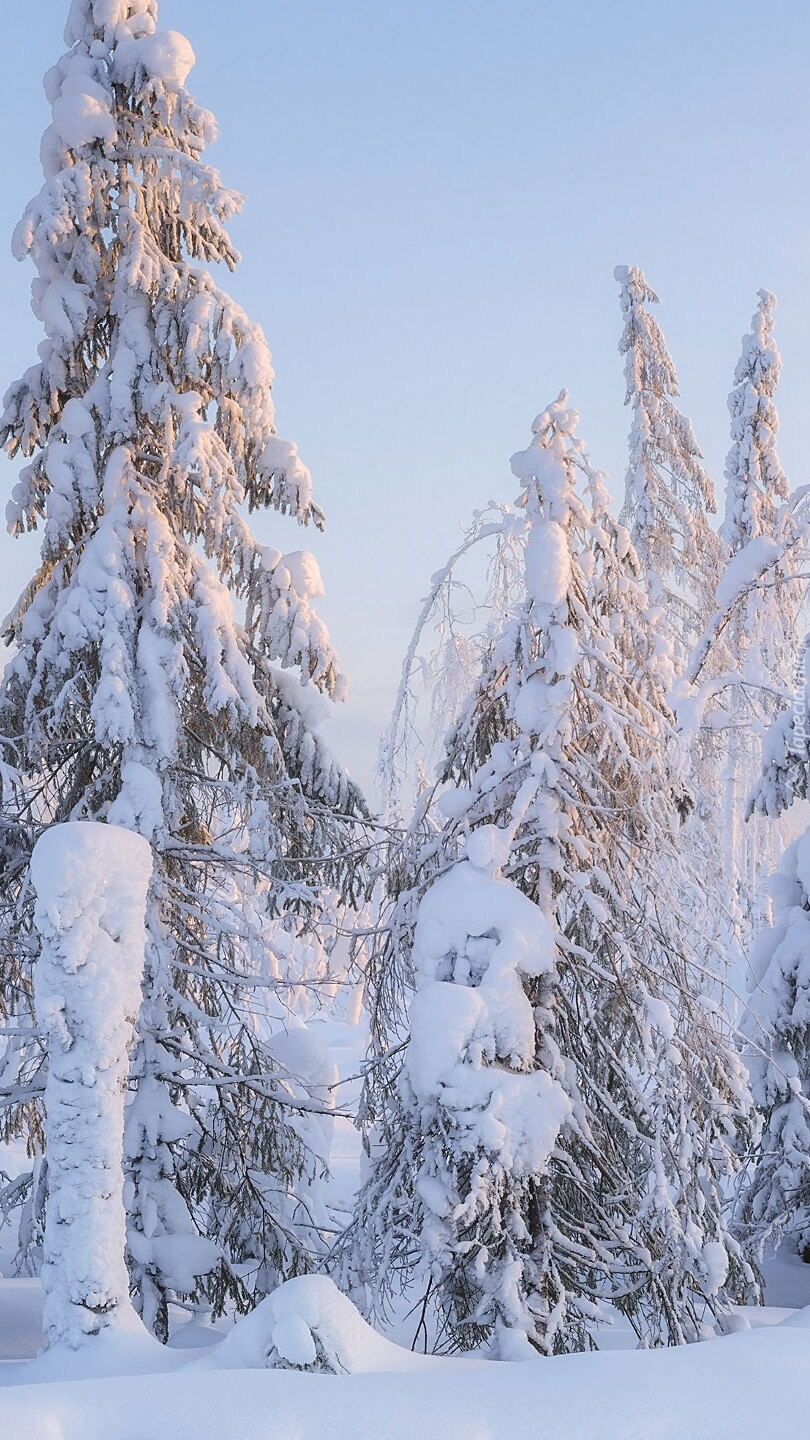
(732, 846)
(91, 882)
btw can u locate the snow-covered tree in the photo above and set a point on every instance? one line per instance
(147, 686)
(777, 1199)
(569, 1100)
(776, 1204)
(488, 1115)
(757, 641)
(668, 499)
(668, 493)
(755, 481)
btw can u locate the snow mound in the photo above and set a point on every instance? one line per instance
(307, 1324)
(743, 1387)
(125, 1349)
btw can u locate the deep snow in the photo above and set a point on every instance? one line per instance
(744, 1387)
(749, 1386)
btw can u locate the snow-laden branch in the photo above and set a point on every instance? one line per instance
(748, 572)
(395, 736)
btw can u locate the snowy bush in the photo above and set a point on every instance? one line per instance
(306, 1325)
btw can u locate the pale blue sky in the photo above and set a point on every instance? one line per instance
(438, 192)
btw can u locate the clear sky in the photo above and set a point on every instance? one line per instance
(438, 191)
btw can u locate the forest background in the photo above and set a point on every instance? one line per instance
(437, 195)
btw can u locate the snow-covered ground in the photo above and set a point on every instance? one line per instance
(747, 1386)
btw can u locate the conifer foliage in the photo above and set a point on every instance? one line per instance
(756, 483)
(777, 1197)
(147, 686)
(757, 604)
(569, 1103)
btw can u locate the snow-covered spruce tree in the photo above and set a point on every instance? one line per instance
(147, 685)
(758, 642)
(755, 481)
(668, 493)
(668, 499)
(569, 1104)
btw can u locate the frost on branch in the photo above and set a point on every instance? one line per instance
(91, 883)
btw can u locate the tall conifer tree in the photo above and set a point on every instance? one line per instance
(759, 641)
(147, 686)
(668, 499)
(669, 495)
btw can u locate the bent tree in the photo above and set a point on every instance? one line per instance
(554, 1105)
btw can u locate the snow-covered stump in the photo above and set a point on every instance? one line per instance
(91, 882)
